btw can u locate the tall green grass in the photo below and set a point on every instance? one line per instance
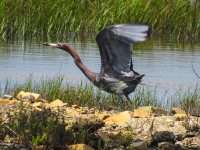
(85, 94)
(189, 100)
(179, 19)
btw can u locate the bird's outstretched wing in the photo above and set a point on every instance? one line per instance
(115, 49)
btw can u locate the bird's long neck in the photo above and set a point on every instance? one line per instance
(89, 74)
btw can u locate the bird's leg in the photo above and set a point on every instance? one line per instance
(130, 103)
(126, 100)
(100, 103)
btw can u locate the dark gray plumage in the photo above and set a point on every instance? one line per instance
(117, 75)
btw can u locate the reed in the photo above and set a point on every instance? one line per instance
(189, 100)
(85, 94)
(179, 19)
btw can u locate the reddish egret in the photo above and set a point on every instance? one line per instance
(117, 75)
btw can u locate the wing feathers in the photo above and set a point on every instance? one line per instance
(114, 45)
(133, 28)
(131, 33)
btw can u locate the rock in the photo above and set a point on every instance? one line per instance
(7, 97)
(37, 104)
(103, 136)
(196, 142)
(181, 117)
(159, 112)
(168, 146)
(177, 110)
(46, 105)
(38, 109)
(192, 142)
(102, 116)
(75, 106)
(141, 145)
(148, 111)
(8, 102)
(179, 143)
(26, 103)
(184, 124)
(71, 112)
(92, 111)
(7, 139)
(119, 119)
(84, 111)
(80, 147)
(163, 136)
(114, 134)
(147, 126)
(57, 103)
(28, 96)
(194, 122)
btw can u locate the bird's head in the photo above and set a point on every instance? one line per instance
(63, 46)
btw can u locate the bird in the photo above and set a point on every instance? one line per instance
(117, 75)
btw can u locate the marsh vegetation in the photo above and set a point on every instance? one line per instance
(169, 19)
(178, 19)
(85, 94)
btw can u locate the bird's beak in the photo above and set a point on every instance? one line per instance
(52, 44)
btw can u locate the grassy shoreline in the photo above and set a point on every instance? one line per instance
(178, 19)
(27, 125)
(85, 94)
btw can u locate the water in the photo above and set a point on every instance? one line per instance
(167, 66)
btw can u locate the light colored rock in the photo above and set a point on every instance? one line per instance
(180, 117)
(7, 97)
(192, 142)
(148, 111)
(196, 141)
(28, 96)
(46, 105)
(57, 103)
(119, 119)
(142, 145)
(71, 112)
(114, 134)
(187, 141)
(143, 111)
(37, 104)
(151, 125)
(84, 111)
(7, 139)
(194, 121)
(26, 103)
(38, 109)
(75, 106)
(92, 111)
(183, 123)
(177, 110)
(80, 147)
(8, 102)
(179, 143)
(102, 116)
(103, 135)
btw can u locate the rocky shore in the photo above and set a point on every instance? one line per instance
(145, 128)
